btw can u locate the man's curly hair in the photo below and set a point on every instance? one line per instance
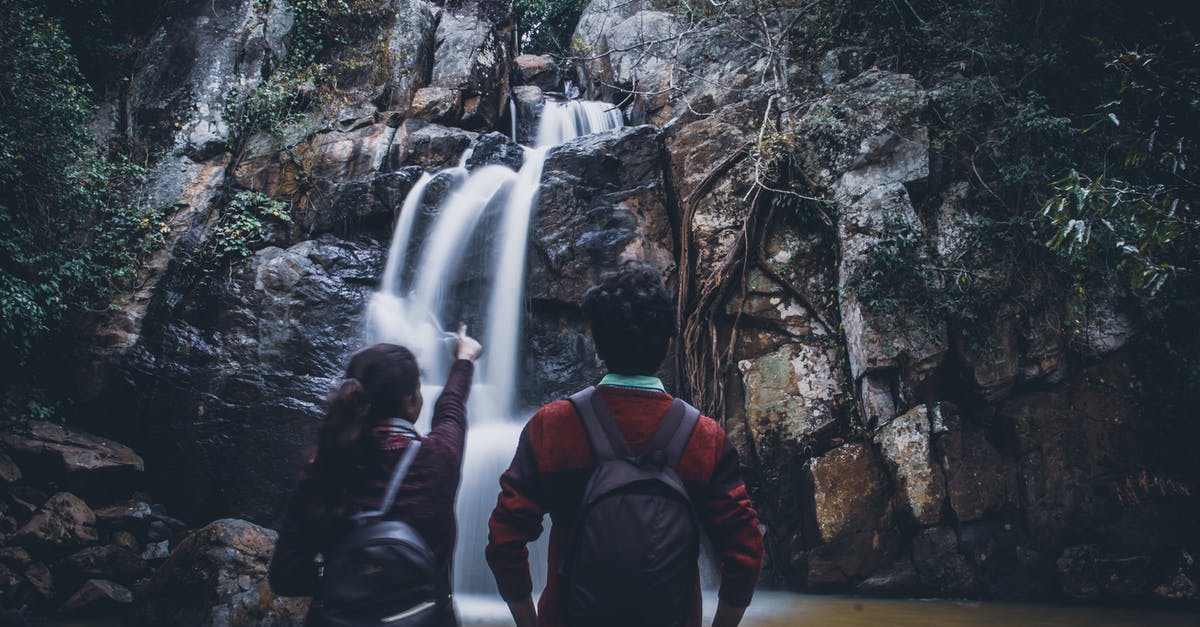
(632, 318)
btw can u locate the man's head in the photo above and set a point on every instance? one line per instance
(632, 318)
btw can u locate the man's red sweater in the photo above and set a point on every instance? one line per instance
(550, 472)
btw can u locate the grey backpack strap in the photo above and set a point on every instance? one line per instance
(607, 441)
(402, 466)
(683, 433)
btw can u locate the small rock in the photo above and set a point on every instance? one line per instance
(436, 104)
(130, 515)
(9, 472)
(157, 551)
(63, 524)
(98, 597)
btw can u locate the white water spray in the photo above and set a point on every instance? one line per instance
(415, 312)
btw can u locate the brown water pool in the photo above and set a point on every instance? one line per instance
(779, 609)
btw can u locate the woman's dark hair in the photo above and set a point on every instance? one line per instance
(632, 318)
(378, 380)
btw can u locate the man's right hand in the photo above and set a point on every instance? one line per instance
(467, 347)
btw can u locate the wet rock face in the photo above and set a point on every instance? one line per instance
(207, 53)
(601, 204)
(224, 396)
(217, 576)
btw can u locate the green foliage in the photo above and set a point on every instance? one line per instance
(241, 227)
(68, 235)
(546, 26)
(21, 404)
(1136, 215)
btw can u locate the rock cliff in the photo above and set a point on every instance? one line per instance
(890, 450)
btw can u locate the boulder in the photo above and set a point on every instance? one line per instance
(410, 47)
(529, 101)
(496, 148)
(907, 446)
(601, 204)
(851, 493)
(127, 541)
(91, 465)
(538, 70)
(430, 145)
(470, 59)
(436, 104)
(217, 576)
(792, 393)
(62, 524)
(97, 598)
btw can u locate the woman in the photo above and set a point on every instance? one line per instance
(365, 433)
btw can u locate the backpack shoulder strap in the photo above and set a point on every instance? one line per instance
(607, 441)
(402, 466)
(682, 433)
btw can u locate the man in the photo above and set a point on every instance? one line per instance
(632, 322)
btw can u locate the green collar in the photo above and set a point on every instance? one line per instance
(637, 382)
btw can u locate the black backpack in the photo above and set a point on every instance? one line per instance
(381, 572)
(633, 561)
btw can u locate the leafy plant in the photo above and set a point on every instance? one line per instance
(242, 225)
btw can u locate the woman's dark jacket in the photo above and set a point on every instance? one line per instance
(425, 501)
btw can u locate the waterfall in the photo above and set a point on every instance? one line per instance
(467, 258)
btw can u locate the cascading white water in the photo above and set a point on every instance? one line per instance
(411, 308)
